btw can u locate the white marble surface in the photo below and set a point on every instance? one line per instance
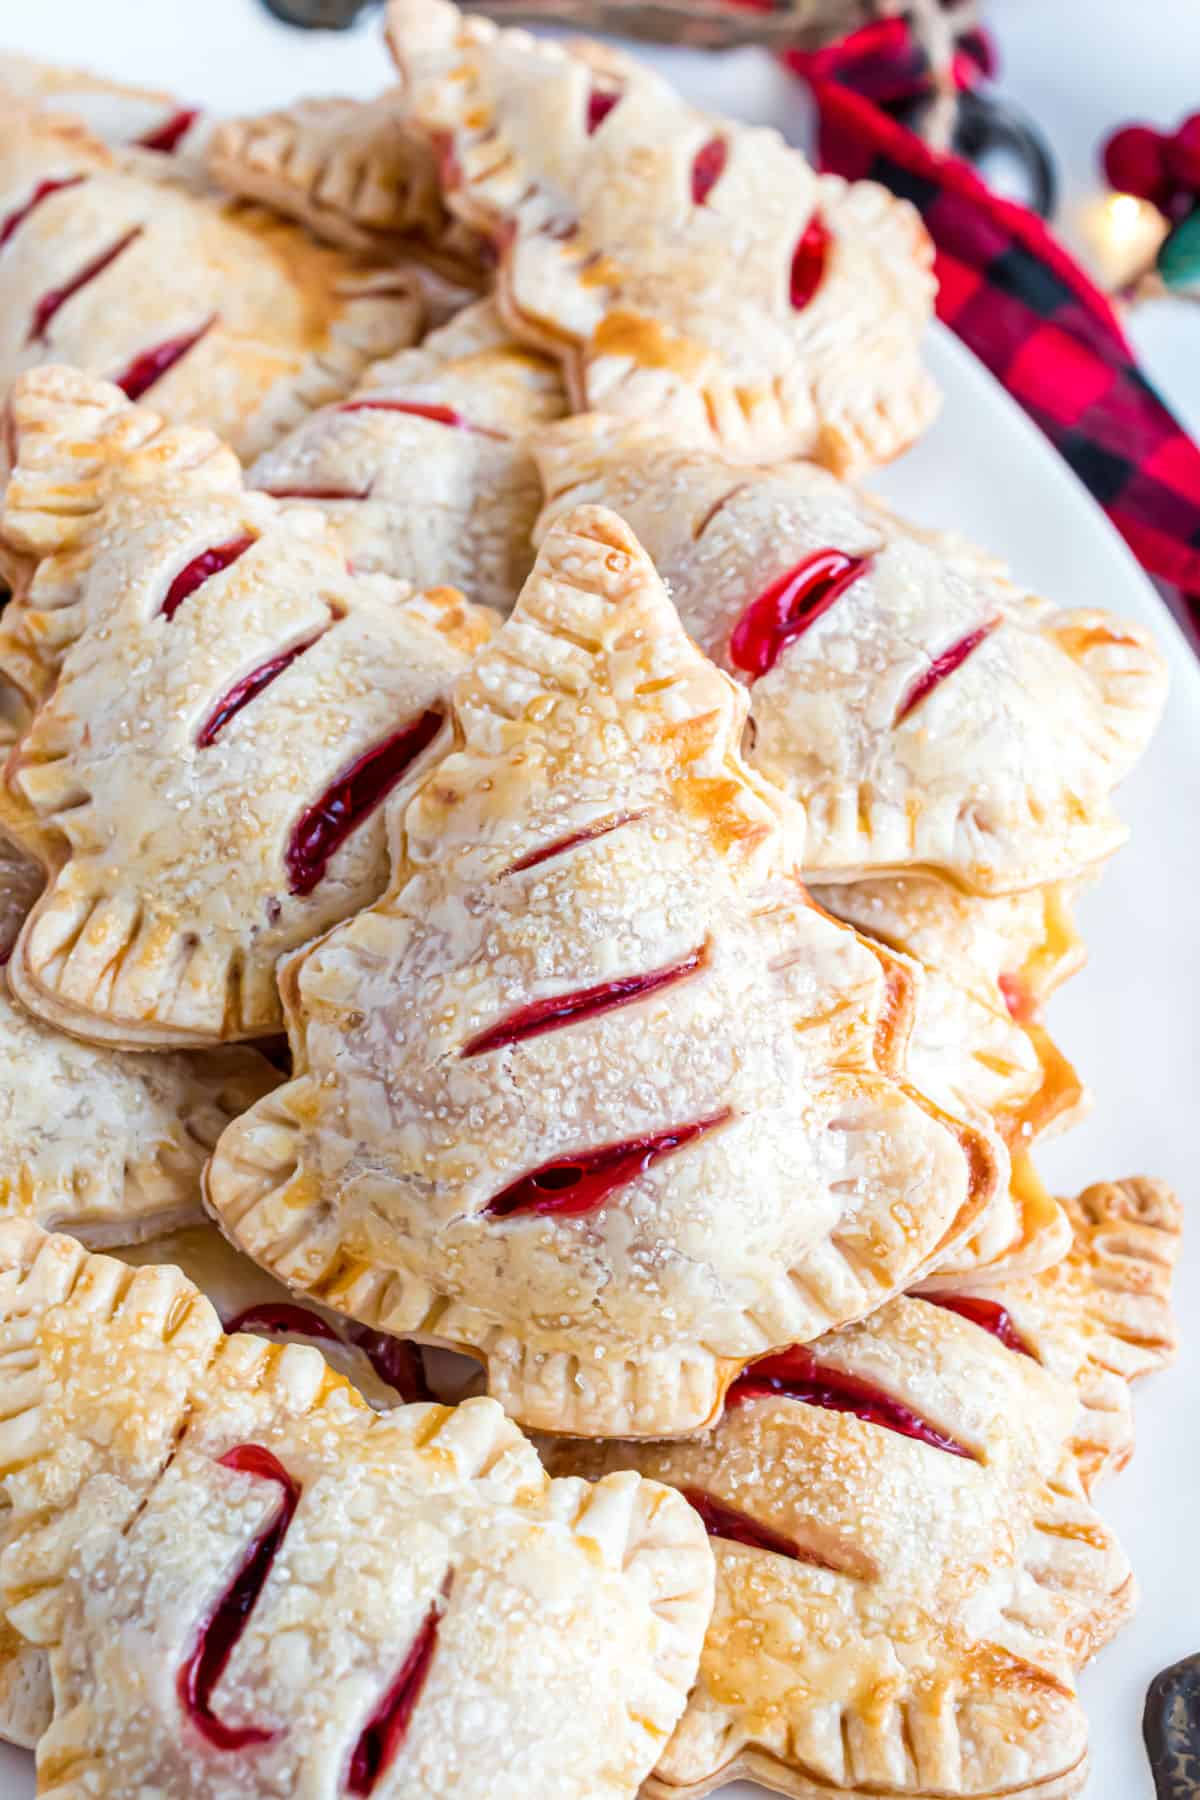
(1132, 1022)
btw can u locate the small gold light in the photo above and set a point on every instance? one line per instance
(1122, 234)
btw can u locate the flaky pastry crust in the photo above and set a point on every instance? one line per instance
(228, 315)
(595, 970)
(929, 715)
(685, 267)
(223, 709)
(427, 467)
(420, 1571)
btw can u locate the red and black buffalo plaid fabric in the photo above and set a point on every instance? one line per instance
(1014, 296)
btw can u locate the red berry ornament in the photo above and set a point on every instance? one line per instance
(1135, 162)
(1183, 155)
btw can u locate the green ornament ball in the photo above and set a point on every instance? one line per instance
(1178, 259)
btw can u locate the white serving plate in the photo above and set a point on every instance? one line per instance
(1131, 1022)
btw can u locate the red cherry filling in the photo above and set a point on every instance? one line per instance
(271, 1316)
(600, 829)
(599, 104)
(199, 570)
(55, 298)
(419, 409)
(41, 192)
(385, 1730)
(1017, 998)
(808, 262)
(166, 137)
(248, 688)
(325, 825)
(139, 376)
(721, 1521)
(395, 1361)
(574, 1185)
(585, 1003)
(795, 1374)
(218, 1637)
(989, 1315)
(708, 165)
(787, 608)
(941, 667)
(318, 493)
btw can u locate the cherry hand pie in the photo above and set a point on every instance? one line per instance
(250, 1585)
(1101, 1318)
(385, 1370)
(223, 711)
(357, 173)
(594, 1091)
(104, 1143)
(687, 268)
(977, 1045)
(427, 467)
(927, 713)
(909, 1570)
(138, 118)
(227, 316)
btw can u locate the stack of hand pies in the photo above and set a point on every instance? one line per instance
(442, 630)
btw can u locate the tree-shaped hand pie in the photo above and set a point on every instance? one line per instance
(357, 173)
(1101, 1317)
(132, 117)
(228, 316)
(928, 714)
(687, 268)
(106, 1143)
(595, 1091)
(223, 710)
(427, 467)
(978, 1046)
(909, 1570)
(384, 1370)
(251, 1585)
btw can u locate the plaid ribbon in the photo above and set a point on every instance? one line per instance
(1011, 292)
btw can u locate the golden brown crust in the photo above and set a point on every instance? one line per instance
(355, 173)
(666, 303)
(123, 1404)
(595, 823)
(267, 323)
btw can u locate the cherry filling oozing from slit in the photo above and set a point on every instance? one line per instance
(1017, 998)
(385, 1731)
(941, 667)
(395, 1361)
(573, 1186)
(218, 1637)
(809, 260)
(55, 298)
(317, 493)
(324, 826)
(708, 165)
(584, 1003)
(795, 1374)
(167, 136)
(140, 375)
(201, 569)
(41, 192)
(737, 1527)
(787, 608)
(248, 688)
(586, 835)
(989, 1315)
(600, 103)
(421, 409)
